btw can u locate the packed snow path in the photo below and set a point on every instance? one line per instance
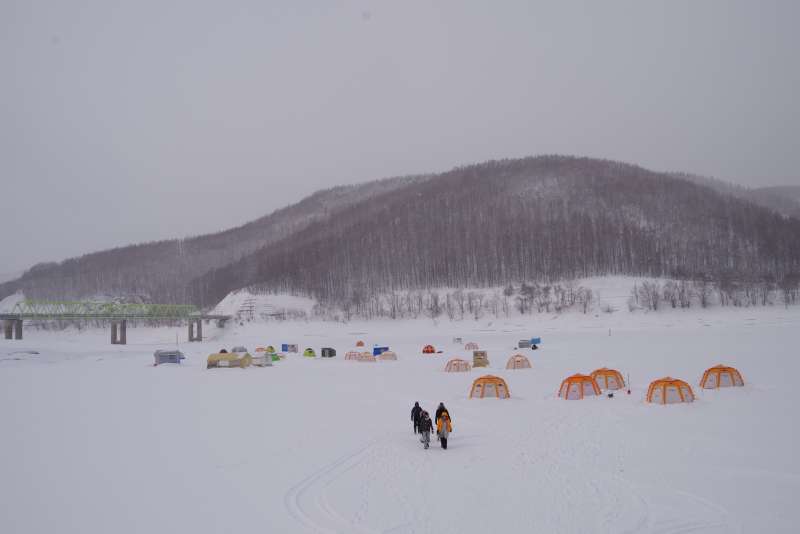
(97, 440)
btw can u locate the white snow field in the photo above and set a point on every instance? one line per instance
(97, 440)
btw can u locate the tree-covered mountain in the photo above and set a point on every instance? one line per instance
(541, 218)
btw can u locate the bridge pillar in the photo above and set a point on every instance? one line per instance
(119, 334)
(195, 330)
(12, 328)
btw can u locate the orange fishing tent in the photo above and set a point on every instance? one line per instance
(457, 365)
(489, 386)
(669, 390)
(578, 386)
(518, 361)
(721, 376)
(428, 349)
(610, 379)
(359, 343)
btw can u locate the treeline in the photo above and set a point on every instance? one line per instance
(543, 219)
(728, 290)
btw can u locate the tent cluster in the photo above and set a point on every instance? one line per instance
(379, 353)
(665, 390)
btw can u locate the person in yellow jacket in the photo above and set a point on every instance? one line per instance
(443, 428)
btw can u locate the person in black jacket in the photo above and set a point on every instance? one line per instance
(416, 412)
(425, 427)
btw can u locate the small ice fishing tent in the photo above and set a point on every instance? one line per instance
(359, 343)
(721, 376)
(229, 359)
(669, 391)
(609, 379)
(489, 386)
(328, 352)
(309, 353)
(262, 359)
(377, 351)
(428, 349)
(457, 365)
(387, 356)
(471, 346)
(366, 357)
(168, 356)
(286, 347)
(518, 361)
(352, 355)
(480, 358)
(578, 386)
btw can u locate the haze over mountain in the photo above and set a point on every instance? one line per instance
(539, 218)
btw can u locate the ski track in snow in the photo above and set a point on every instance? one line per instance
(307, 501)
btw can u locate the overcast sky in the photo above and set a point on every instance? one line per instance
(131, 121)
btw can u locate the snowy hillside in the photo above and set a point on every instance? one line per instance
(105, 442)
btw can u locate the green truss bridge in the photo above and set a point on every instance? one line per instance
(115, 313)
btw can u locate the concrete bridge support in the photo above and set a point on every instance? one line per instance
(12, 328)
(119, 332)
(195, 330)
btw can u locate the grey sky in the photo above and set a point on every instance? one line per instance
(131, 121)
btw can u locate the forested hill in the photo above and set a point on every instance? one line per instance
(542, 218)
(161, 271)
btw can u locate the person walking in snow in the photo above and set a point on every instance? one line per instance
(416, 411)
(425, 427)
(439, 411)
(443, 427)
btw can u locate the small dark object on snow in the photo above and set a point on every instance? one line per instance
(610, 395)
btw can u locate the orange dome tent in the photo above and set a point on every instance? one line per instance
(489, 386)
(359, 343)
(608, 378)
(471, 346)
(518, 361)
(578, 386)
(669, 391)
(352, 355)
(721, 376)
(457, 365)
(387, 355)
(428, 349)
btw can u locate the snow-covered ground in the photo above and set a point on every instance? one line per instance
(97, 440)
